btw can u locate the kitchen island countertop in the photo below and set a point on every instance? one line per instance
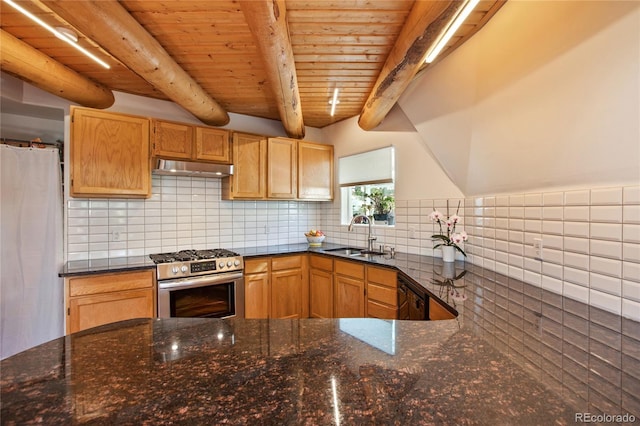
(516, 354)
(284, 372)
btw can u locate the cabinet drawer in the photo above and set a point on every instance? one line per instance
(286, 262)
(256, 266)
(107, 283)
(350, 269)
(377, 310)
(383, 276)
(94, 310)
(321, 262)
(382, 294)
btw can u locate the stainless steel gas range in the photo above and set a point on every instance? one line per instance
(200, 283)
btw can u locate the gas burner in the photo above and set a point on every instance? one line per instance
(187, 263)
(215, 253)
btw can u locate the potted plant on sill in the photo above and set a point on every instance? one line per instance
(382, 202)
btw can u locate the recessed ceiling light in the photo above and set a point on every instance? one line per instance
(334, 101)
(61, 35)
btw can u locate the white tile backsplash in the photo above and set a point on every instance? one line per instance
(591, 237)
(182, 213)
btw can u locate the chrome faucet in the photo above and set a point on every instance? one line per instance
(369, 238)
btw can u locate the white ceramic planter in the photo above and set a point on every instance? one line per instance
(448, 253)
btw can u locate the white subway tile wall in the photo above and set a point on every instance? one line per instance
(590, 237)
(182, 213)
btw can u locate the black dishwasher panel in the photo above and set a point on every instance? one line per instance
(411, 304)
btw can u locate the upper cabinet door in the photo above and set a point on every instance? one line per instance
(172, 140)
(110, 155)
(249, 179)
(315, 171)
(281, 168)
(213, 145)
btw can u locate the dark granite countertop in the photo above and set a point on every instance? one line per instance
(101, 266)
(421, 270)
(516, 354)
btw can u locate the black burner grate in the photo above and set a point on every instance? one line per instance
(190, 255)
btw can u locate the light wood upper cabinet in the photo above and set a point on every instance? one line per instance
(213, 145)
(282, 168)
(110, 155)
(172, 140)
(181, 141)
(95, 300)
(249, 175)
(315, 171)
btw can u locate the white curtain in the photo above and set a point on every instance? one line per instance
(32, 294)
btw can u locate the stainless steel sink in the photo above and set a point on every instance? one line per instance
(354, 252)
(346, 251)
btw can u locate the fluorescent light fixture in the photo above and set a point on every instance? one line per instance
(67, 33)
(62, 36)
(334, 101)
(444, 39)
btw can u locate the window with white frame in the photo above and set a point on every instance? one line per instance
(367, 186)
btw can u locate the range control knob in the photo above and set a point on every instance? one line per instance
(184, 269)
(221, 264)
(175, 270)
(229, 264)
(236, 262)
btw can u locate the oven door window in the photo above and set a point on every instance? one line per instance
(213, 301)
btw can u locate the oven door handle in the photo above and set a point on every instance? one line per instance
(199, 281)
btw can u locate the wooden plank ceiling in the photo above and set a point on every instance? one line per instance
(336, 44)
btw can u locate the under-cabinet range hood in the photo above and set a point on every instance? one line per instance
(192, 168)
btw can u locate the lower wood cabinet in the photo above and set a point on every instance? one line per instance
(349, 289)
(277, 287)
(321, 289)
(94, 300)
(437, 311)
(316, 286)
(289, 287)
(256, 287)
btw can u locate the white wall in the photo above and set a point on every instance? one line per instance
(546, 95)
(418, 174)
(536, 120)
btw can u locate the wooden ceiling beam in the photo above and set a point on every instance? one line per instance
(268, 23)
(110, 25)
(424, 24)
(40, 70)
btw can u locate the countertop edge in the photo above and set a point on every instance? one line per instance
(126, 264)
